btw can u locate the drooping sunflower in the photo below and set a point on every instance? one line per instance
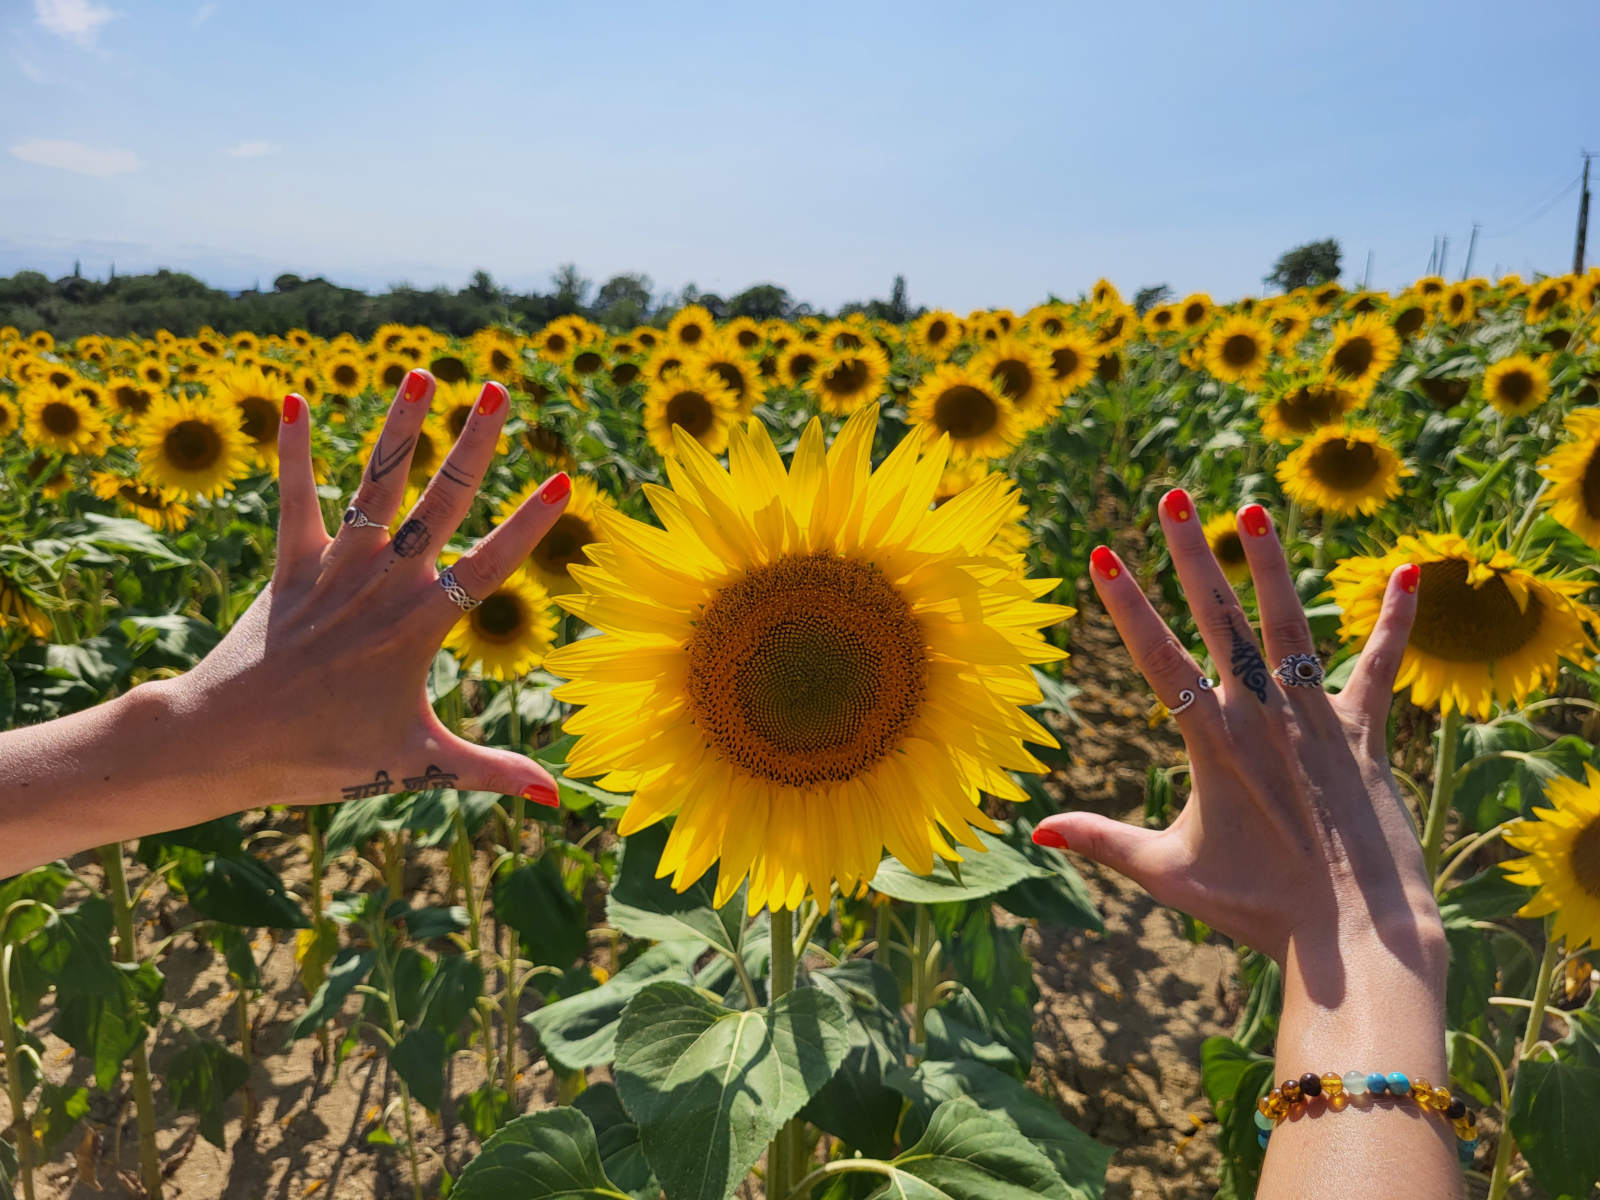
(963, 404)
(561, 548)
(1573, 469)
(1345, 470)
(191, 446)
(806, 667)
(1222, 534)
(62, 423)
(1303, 405)
(1236, 349)
(1517, 384)
(18, 608)
(1360, 352)
(844, 380)
(1021, 372)
(259, 404)
(510, 631)
(1073, 358)
(157, 509)
(690, 326)
(1488, 629)
(1561, 847)
(694, 400)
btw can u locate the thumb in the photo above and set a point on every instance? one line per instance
(486, 769)
(1128, 849)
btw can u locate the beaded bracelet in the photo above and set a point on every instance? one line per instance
(1273, 1108)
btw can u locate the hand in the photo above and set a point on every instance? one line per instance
(319, 686)
(1294, 837)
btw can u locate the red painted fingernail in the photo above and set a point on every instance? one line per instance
(1253, 520)
(1410, 576)
(1049, 837)
(556, 489)
(416, 386)
(541, 793)
(292, 406)
(1178, 505)
(490, 399)
(1104, 561)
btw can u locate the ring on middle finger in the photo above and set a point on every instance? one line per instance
(1300, 670)
(1186, 697)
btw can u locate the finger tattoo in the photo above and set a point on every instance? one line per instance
(1247, 663)
(413, 539)
(385, 462)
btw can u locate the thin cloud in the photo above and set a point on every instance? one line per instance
(254, 149)
(29, 70)
(203, 14)
(76, 157)
(78, 20)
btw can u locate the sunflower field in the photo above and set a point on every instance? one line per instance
(797, 654)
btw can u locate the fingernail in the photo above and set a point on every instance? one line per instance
(1103, 560)
(541, 793)
(1049, 837)
(490, 399)
(1253, 520)
(1178, 505)
(416, 386)
(555, 491)
(292, 406)
(1410, 576)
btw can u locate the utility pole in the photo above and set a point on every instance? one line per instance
(1366, 276)
(1433, 255)
(1583, 216)
(1472, 245)
(1444, 253)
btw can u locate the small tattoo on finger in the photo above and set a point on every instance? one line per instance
(1247, 664)
(412, 539)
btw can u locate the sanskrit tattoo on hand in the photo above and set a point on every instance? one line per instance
(383, 462)
(379, 785)
(412, 539)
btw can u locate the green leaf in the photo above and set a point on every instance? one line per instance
(551, 922)
(642, 906)
(240, 891)
(106, 1028)
(9, 1167)
(960, 1030)
(1223, 1063)
(444, 676)
(993, 964)
(857, 1104)
(8, 696)
(349, 968)
(982, 874)
(709, 1086)
(223, 835)
(581, 1031)
(1058, 895)
(486, 1110)
(418, 1058)
(1233, 1078)
(436, 921)
(452, 993)
(169, 640)
(1487, 896)
(618, 1139)
(200, 1078)
(121, 535)
(59, 1110)
(1077, 1159)
(1553, 1107)
(549, 1155)
(968, 1154)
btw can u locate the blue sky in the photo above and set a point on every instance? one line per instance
(993, 153)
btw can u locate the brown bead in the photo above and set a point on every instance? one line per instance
(1310, 1085)
(1290, 1089)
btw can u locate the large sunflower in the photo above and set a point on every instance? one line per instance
(1012, 539)
(1573, 469)
(806, 667)
(510, 631)
(1517, 384)
(62, 423)
(695, 400)
(259, 403)
(1303, 405)
(1236, 349)
(962, 404)
(191, 446)
(562, 547)
(1021, 372)
(1562, 848)
(845, 380)
(1488, 629)
(1360, 352)
(1345, 470)
(155, 508)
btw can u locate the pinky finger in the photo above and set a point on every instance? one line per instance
(1372, 683)
(486, 566)
(301, 533)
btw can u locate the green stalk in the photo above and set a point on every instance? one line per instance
(461, 858)
(1444, 787)
(780, 1153)
(318, 853)
(920, 954)
(880, 952)
(1499, 1176)
(518, 815)
(395, 1026)
(19, 1113)
(143, 1100)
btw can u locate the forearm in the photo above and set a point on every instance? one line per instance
(138, 764)
(1368, 1001)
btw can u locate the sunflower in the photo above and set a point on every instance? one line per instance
(1346, 470)
(1302, 405)
(1222, 534)
(690, 326)
(797, 363)
(1114, 327)
(260, 410)
(1073, 358)
(963, 404)
(1360, 351)
(1289, 323)
(345, 374)
(191, 446)
(1562, 847)
(18, 608)
(1194, 311)
(1047, 320)
(390, 371)
(562, 547)
(1236, 350)
(934, 334)
(745, 333)
(1517, 384)
(1021, 372)
(10, 416)
(844, 380)
(1457, 305)
(1544, 300)
(1488, 628)
(155, 373)
(722, 356)
(1011, 540)
(807, 667)
(128, 395)
(156, 508)
(62, 423)
(696, 401)
(510, 631)
(843, 335)
(1573, 469)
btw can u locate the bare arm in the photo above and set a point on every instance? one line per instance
(317, 692)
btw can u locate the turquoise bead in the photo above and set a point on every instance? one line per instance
(1467, 1149)
(1261, 1138)
(1264, 1122)
(1399, 1085)
(1355, 1083)
(1377, 1083)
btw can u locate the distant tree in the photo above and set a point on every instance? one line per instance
(895, 309)
(571, 288)
(1305, 266)
(623, 301)
(1147, 298)
(483, 287)
(286, 283)
(762, 302)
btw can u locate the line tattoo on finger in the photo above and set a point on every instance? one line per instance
(454, 476)
(413, 538)
(1247, 664)
(384, 462)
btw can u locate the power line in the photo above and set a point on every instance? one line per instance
(1537, 213)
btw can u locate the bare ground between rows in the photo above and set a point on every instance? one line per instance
(1118, 1026)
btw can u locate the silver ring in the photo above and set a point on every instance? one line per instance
(459, 596)
(356, 519)
(1300, 670)
(1186, 698)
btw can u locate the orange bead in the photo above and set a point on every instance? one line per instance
(1441, 1098)
(1332, 1085)
(1422, 1092)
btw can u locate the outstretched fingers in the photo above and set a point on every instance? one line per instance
(1371, 686)
(450, 493)
(487, 565)
(301, 534)
(383, 484)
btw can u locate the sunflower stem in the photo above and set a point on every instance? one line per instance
(19, 1112)
(780, 1152)
(1444, 787)
(919, 982)
(1525, 526)
(127, 951)
(1499, 1179)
